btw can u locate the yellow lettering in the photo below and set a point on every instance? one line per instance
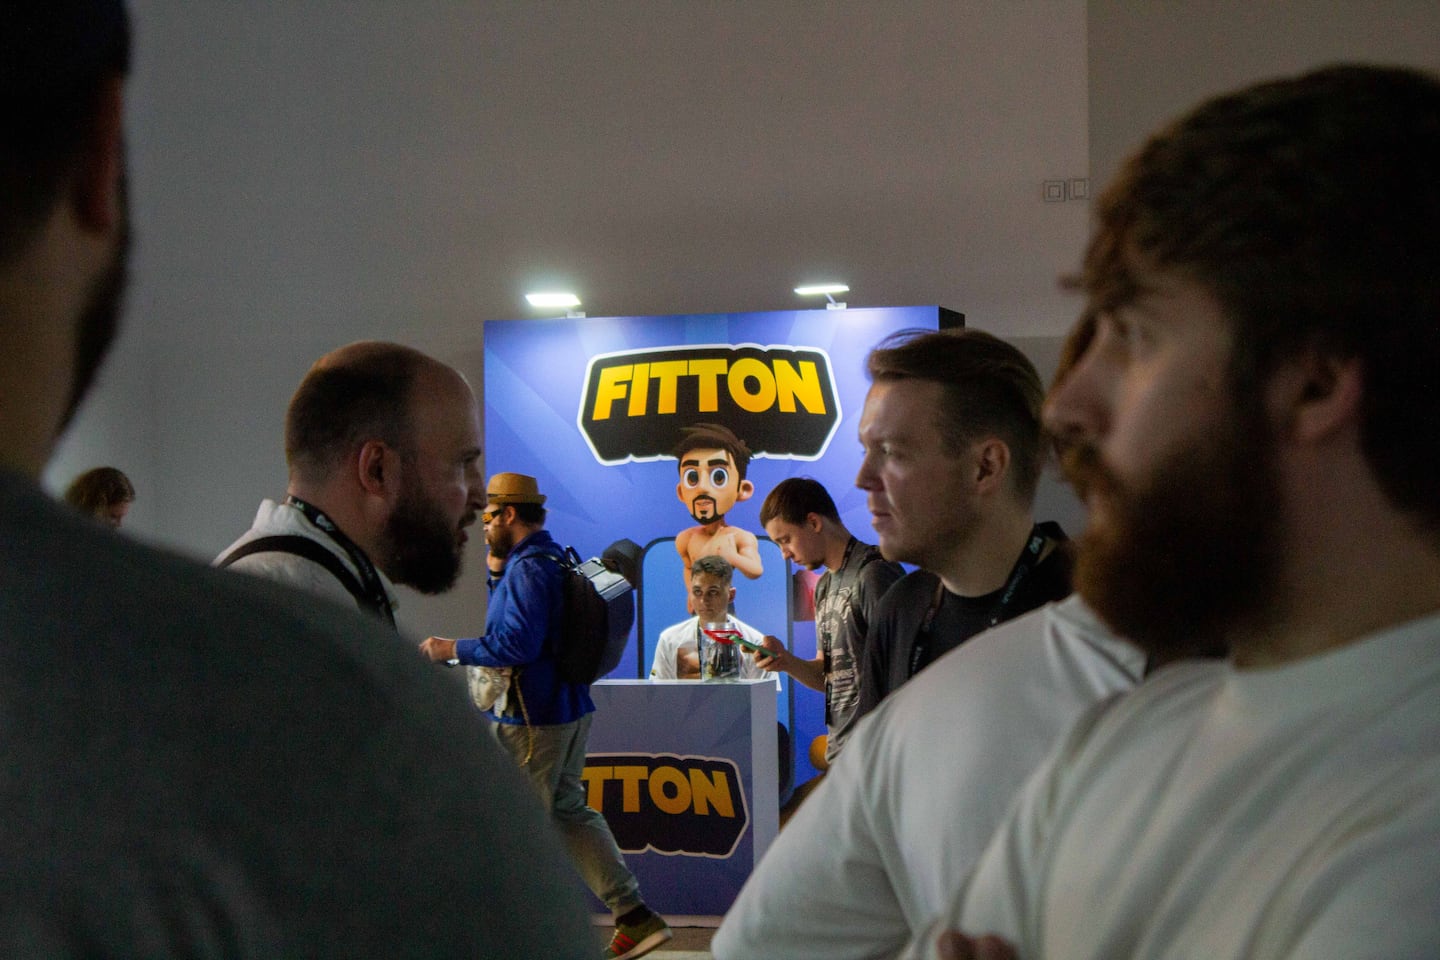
(802, 384)
(708, 372)
(630, 778)
(639, 390)
(668, 374)
(709, 792)
(669, 776)
(755, 384)
(595, 778)
(743, 370)
(610, 388)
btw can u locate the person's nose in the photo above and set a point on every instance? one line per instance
(1078, 405)
(867, 478)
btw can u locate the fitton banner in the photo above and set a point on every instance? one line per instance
(594, 408)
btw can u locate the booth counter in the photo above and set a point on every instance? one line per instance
(686, 774)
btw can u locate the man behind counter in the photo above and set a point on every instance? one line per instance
(677, 650)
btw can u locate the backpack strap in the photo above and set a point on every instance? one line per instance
(566, 560)
(315, 552)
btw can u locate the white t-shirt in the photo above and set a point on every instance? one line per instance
(1221, 813)
(681, 637)
(909, 805)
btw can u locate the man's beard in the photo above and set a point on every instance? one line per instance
(499, 544)
(423, 546)
(1181, 562)
(98, 324)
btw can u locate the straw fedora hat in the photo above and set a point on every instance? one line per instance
(513, 488)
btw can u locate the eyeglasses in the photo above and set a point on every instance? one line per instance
(490, 513)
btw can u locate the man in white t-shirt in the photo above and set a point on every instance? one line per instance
(677, 650)
(906, 810)
(1251, 429)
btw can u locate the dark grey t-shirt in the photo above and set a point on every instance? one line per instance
(845, 600)
(899, 622)
(196, 763)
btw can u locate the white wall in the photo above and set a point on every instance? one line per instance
(1151, 61)
(306, 174)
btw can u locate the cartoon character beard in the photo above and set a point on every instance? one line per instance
(695, 510)
(1186, 557)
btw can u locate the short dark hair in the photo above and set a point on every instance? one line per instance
(99, 489)
(343, 403)
(990, 389)
(701, 436)
(55, 59)
(530, 513)
(795, 498)
(1309, 207)
(714, 566)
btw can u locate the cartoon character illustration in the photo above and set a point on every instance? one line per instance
(712, 480)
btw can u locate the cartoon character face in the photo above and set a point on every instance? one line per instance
(709, 484)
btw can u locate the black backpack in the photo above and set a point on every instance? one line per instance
(598, 610)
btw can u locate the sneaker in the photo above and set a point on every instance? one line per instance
(637, 939)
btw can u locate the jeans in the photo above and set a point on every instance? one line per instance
(554, 771)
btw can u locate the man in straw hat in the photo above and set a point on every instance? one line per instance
(543, 721)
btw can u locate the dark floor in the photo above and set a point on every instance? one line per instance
(692, 939)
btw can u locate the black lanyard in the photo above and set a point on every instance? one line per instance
(369, 576)
(1029, 558)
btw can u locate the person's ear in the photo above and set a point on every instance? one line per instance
(731, 598)
(375, 468)
(744, 491)
(814, 521)
(1317, 395)
(992, 459)
(100, 173)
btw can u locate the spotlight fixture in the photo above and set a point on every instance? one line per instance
(829, 290)
(553, 300)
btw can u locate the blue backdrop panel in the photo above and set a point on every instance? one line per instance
(591, 406)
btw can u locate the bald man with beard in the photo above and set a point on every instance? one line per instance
(383, 448)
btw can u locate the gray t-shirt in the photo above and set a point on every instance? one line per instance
(195, 763)
(844, 601)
